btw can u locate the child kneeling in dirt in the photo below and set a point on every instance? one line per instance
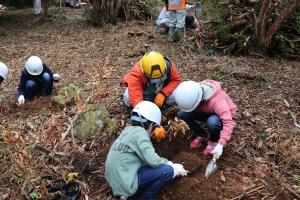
(132, 166)
(207, 102)
(163, 20)
(3, 75)
(36, 79)
(153, 78)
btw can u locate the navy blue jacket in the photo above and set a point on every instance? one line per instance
(25, 76)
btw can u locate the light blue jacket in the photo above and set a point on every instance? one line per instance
(127, 154)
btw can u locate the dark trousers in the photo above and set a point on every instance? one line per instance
(42, 87)
(213, 122)
(1, 79)
(153, 180)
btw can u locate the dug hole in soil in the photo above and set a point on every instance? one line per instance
(223, 182)
(265, 90)
(195, 185)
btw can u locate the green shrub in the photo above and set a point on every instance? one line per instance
(215, 9)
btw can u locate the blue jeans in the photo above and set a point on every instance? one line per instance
(213, 121)
(43, 86)
(153, 180)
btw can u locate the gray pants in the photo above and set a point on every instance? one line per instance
(37, 6)
(147, 97)
(177, 18)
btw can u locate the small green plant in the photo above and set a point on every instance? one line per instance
(262, 135)
(35, 194)
(296, 180)
(215, 76)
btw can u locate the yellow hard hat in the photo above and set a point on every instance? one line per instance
(153, 65)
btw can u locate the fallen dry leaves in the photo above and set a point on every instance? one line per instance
(264, 146)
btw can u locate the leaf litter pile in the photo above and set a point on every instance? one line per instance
(38, 142)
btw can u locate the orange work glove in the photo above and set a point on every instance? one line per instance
(160, 133)
(159, 99)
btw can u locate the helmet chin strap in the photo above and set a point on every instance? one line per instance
(141, 121)
(202, 94)
(149, 130)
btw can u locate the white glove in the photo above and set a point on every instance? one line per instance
(178, 169)
(218, 150)
(56, 77)
(21, 99)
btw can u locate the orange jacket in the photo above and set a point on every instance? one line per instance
(176, 5)
(136, 82)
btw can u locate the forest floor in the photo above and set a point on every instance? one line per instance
(262, 160)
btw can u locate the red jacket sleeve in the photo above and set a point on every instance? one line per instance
(135, 83)
(173, 82)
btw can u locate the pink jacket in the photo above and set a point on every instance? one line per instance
(215, 100)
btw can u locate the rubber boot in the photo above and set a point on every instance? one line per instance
(179, 34)
(171, 36)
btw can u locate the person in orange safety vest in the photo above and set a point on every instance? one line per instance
(177, 14)
(153, 78)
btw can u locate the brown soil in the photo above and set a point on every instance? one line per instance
(195, 186)
(259, 161)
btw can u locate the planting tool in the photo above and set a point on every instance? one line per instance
(211, 167)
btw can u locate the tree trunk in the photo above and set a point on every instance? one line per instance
(285, 13)
(265, 32)
(45, 4)
(106, 11)
(261, 20)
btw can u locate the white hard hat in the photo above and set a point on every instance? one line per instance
(34, 65)
(188, 95)
(3, 70)
(149, 111)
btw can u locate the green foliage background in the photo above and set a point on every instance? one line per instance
(17, 3)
